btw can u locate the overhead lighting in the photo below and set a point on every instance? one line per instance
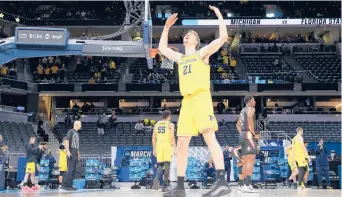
(229, 14)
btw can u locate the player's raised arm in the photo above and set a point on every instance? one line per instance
(215, 45)
(163, 43)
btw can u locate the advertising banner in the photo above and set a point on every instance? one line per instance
(112, 49)
(124, 157)
(41, 36)
(266, 22)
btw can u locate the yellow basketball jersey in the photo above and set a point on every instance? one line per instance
(163, 132)
(194, 74)
(62, 159)
(297, 146)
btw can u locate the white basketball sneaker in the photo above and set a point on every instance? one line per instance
(252, 190)
(240, 188)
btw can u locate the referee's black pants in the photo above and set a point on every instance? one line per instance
(70, 174)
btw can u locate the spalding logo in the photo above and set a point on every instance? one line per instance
(111, 48)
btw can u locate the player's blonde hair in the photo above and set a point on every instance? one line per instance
(197, 38)
(299, 129)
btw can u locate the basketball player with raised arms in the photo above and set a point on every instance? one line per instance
(245, 126)
(197, 114)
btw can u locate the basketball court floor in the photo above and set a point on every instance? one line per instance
(127, 192)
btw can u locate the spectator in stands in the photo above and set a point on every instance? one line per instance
(322, 164)
(13, 71)
(146, 109)
(42, 134)
(112, 67)
(85, 107)
(220, 107)
(225, 61)
(209, 171)
(75, 108)
(40, 72)
(104, 74)
(333, 156)
(97, 76)
(140, 127)
(92, 106)
(5, 153)
(67, 122)
(51, 61)
(47, 73)
(54, 71)
(165, 108)
(103, 120)
(91, 81)
(40, 119)
(4, 69)
(62, 72)
(227, 155)
(136, 110)
(112, 121)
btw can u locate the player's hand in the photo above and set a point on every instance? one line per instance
(68, 154)
(308, 158)
(216, 10)
(155, 153)
(171, 20)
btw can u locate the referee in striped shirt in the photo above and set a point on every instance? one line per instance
(72, 145)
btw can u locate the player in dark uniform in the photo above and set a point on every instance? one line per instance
(239, 163)
(245, 126)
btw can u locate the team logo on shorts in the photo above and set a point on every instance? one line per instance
(248, 148)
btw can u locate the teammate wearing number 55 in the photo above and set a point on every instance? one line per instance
(197, 114)
(164, 143)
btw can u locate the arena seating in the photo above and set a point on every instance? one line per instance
(325, 68)
(266, 68)
(141, 73)
(16, 135)
(170, 76)
(92, 143)
(329, 131)
(83, 71)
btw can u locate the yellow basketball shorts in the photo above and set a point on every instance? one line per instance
(292, 165)
(63, 168)
(196, 114)
(30, 168)
(164, 153)
(302, 162)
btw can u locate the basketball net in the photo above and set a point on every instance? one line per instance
(166, 62)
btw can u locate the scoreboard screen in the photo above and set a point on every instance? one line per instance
(30, 36)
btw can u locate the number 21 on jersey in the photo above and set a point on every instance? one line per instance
(161, 129)
(187, 69)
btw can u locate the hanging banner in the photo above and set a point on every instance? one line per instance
(265, 22)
